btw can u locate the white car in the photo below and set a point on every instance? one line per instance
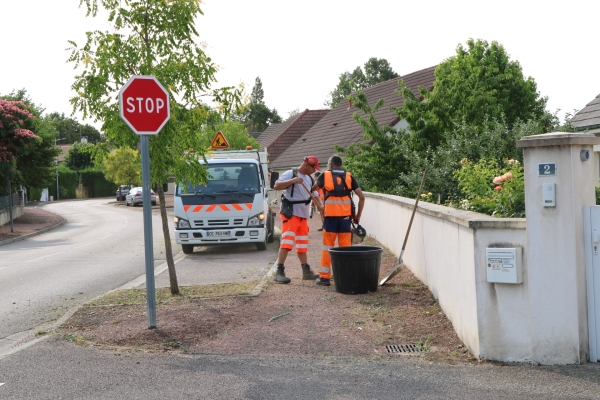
(135, 197)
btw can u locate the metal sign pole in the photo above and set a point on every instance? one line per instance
(144, 107)
(148, 245)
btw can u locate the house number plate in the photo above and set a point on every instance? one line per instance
(547, 169)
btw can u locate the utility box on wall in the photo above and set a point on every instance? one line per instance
(503, 265)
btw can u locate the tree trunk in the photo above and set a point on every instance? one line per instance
(167, 236)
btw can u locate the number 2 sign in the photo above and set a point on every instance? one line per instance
(547, 169)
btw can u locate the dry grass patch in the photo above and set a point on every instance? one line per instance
(163, 295)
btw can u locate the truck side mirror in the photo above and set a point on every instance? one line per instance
(274, 177)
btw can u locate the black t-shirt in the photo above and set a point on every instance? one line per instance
(321, 182)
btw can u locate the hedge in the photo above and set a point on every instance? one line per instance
(96, 184)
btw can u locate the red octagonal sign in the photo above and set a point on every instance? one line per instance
(144, 105)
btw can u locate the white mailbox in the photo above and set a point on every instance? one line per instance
(504, 265)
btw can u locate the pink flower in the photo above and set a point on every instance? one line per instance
(498, 180)
(498, 188)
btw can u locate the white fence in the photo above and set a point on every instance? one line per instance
(446, 251)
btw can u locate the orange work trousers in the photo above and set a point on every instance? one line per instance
(333, 228)
(294, 231)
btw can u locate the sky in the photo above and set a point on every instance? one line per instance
(299, 49)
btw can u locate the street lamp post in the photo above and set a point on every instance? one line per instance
(57, 189)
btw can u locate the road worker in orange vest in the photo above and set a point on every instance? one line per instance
(338, 185)
(294, 213)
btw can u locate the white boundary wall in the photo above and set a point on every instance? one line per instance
(446, 251)
(5, 214)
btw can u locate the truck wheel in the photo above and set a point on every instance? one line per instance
(187, 248)
(261, 245)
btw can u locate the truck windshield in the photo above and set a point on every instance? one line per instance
(225, 179)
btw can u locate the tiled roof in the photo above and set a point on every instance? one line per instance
(589, 116)
(294, 131)
(273, 131)
(338, 127)
(254, 134)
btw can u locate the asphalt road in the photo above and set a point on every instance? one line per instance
(61, 370)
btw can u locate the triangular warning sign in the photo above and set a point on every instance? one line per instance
(219, 142)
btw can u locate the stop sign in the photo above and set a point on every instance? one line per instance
(144, 105)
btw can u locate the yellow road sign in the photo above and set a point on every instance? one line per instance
(219, 142)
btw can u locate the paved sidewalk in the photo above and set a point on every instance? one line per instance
(35, 220)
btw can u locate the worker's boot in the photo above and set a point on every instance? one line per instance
(307, 273)
(323, 282)
(280, 275)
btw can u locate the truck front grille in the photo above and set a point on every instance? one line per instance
(217, 223)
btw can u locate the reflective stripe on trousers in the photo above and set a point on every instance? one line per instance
(301, 243)
(288, 237)
(344, 239)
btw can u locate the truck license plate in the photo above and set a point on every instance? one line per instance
(218, 233)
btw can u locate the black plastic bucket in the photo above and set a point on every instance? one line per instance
(356, 268)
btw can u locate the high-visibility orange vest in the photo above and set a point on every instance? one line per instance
(337, 187)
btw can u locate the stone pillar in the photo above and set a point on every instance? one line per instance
(555, 248)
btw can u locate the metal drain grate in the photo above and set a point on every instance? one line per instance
(403, 348)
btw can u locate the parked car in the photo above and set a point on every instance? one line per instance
(135, 197)
(123, 191)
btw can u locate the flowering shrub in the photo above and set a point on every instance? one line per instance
(492, 189)
(15, 137)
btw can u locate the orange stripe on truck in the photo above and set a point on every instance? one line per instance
(224, 207)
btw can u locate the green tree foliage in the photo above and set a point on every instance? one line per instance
(259, 117)
(375, 71)
(159, 38)
(382, 146)
(479, 83)
(493, 188)
(27, 151)
(402, 166)
(123, 166)
(71, 131)
(255, 115)
(481, 104)
(258, 94)
(234, 131)
(79, 156)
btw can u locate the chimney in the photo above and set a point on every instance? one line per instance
(349, 104)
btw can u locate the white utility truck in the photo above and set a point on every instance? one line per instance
(232, 207)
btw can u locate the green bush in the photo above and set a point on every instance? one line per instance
(36, 194)
(96, 184)
(67, 182)
(492, 189)
(597, 195)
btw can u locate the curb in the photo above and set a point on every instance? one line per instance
(18, 239)
(270, 273)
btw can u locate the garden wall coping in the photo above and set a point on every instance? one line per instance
(464, 218)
